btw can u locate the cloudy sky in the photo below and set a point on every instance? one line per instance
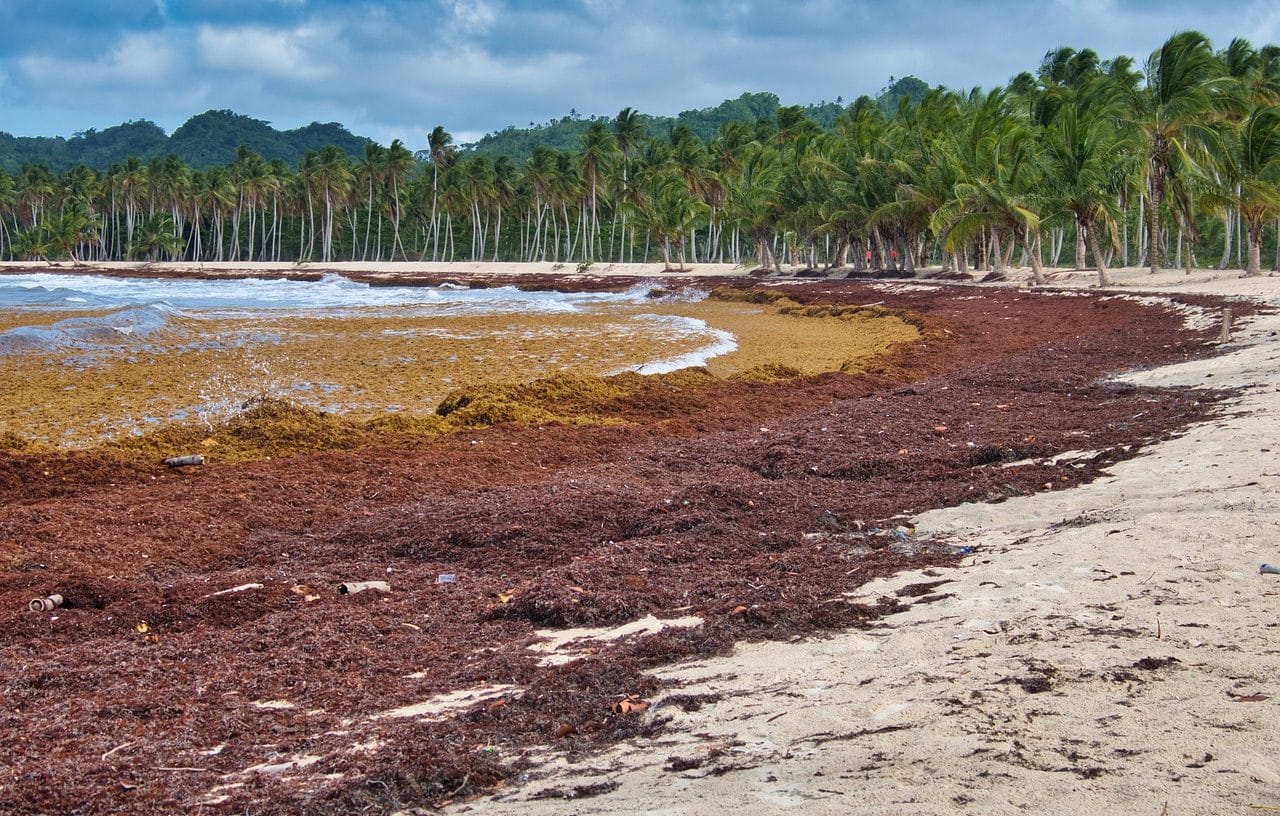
(395, 68)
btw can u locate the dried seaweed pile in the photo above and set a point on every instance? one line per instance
(755, 506)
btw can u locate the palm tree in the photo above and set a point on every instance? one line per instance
(539, 175)
(155, 239)
(997, 191)
(1249, 160)
(599, 154)
(130, 182)
(8, 205)
(751, 201)
(331, 178)
(398, 164)
(1085, 167)
(628, 130)
(369, 173)
(1173, 115)
(671, 214)
(502, 195)
(476, 177)
(440, 151)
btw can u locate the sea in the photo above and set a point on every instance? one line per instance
(106, 313)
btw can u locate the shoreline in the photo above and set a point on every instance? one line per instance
(782, 487)
(369, 269)
(1106, 648)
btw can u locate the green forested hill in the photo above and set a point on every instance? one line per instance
(705, 123)
(210, 139)
(207, 140)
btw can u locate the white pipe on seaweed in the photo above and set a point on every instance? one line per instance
(352, 587)
(45, 604)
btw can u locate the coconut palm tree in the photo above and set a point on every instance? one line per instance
(331, 179)
(397, 166)
(369, 173)
(1088, 160)
(600, 153)
(751, 201)
(671, 214)
(8, 205)
(156, 239)
(440, 152)
(1174, 115)
(628, 131)
(502, 195)
(1249, 160)
(996, 195)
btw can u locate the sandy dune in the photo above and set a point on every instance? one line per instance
(1107, 649)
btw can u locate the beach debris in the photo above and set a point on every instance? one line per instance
(447, 578)
(308, 594)
(631, 704)
(185, 461)
(48, 604)
(352, 587)
(1269, 569)
(234, 589)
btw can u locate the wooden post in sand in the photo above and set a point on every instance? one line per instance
(1225, 337)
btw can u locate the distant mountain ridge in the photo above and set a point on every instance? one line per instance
(206, 140)
(210, 139)
(566, 133)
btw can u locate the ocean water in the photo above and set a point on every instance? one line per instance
(131, 310)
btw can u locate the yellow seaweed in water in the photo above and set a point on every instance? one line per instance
(400, 374)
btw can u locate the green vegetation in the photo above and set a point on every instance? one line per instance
(207, 140)
(1085, 160)
(757, 109)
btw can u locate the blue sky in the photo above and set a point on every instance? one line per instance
(394, 69)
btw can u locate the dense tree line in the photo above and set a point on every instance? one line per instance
(203, 141)
(1088, 161)
(566, 132)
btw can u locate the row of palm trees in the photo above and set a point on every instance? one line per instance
(1094, 161)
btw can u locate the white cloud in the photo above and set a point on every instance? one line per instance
(304, 54)
(474, 17)
(146, 59)
(449, 74)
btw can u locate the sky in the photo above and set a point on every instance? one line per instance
(392, 69)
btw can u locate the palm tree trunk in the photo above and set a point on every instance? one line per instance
(1079, 246)
(1153, 229)
(1277, 266)
(1124, 223)
(996, 254)
(1239, 237)
(395, 220)
(1100, 261)
(1033, 253)
(497, 234)
(1255, 248)
(1226, 240)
